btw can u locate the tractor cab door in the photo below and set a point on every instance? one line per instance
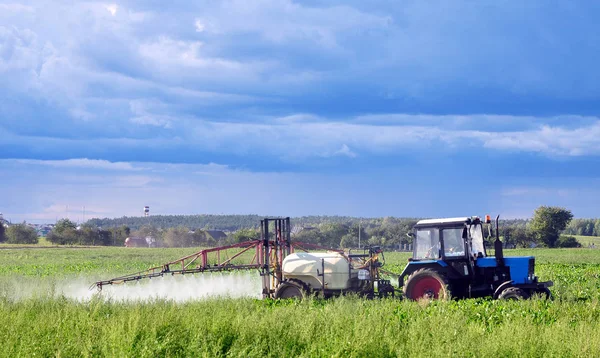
(427, 244)
(477, 245)
(453, 243)
(456, 250)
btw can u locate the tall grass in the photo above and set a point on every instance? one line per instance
(345, 327)
(47, 325)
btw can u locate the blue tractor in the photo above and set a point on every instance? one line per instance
(450, 260)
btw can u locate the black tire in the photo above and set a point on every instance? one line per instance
(428, 284)
(289, 290)
(513, 293)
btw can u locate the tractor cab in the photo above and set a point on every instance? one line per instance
(450, 259)
(455, 238)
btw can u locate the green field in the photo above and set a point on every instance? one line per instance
(34, 322)
(586, 240)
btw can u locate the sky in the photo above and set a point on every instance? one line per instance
(291, 108)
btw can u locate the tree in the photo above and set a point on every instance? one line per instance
(597, 227)
(117, 234)
(350, 240)
(2, 233)
(310, 235)
(548, 222)
(67, 237)
(105, 237)
(333, 233)
(568, 241)
(243, 235)
(64, 233)
(515, 235)
(63, 225)
(177, 237)
(202, 238)
(522, 237)
(88, 235)
(21, 234)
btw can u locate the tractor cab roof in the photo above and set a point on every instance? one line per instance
(442, 222)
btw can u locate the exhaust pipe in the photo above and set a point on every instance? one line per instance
(498, 250)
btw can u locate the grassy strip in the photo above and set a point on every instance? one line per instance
(46, 326)
(345, 327)
(586, 240)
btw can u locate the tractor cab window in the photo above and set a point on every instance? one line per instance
(477, 246)
(427, 245)
(454, 245)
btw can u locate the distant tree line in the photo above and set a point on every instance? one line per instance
(215, 222)
(65, 232)
(545, 229)
(584, 227)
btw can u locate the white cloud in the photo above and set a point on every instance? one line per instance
(16, 8)
(73, 212)
(312, 137)
(153, 120)
(539, 192)
(345, 151)
(284, 20)
(82, 163)
(168, 52)
(112, 9)
(549, 140)
(199, 25)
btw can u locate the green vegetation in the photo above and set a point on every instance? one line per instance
(583, 227)
(345, 327)
(65, 232)
(544, 229)
(2, 232)
(65, 261)
(548, 222)
(585, 241)
(21, 234)
(47, 326)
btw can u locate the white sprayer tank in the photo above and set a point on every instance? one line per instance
(303, 266)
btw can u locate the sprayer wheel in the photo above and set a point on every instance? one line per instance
(289, 290)
(426, 283)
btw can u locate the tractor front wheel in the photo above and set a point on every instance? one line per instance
(426, 283)
(513, 293)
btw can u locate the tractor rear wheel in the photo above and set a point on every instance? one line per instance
(426, 283)
(289, 290)
(513, 293)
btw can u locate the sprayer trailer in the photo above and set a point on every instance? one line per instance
(450, 259)
(287, 269)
